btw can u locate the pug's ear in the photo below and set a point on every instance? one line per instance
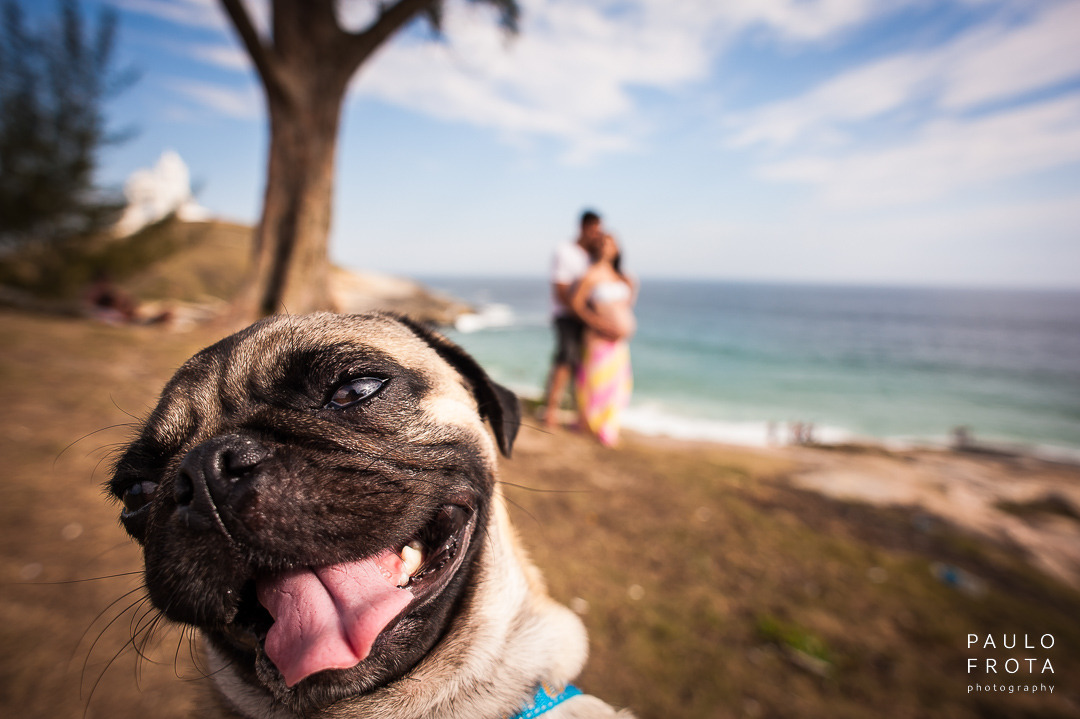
(497, 404)
(502, 408)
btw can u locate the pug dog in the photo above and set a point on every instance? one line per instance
(317, 495)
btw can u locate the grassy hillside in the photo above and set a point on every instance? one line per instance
(167, 260)
(193, 263)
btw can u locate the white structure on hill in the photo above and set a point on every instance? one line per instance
(155, 192)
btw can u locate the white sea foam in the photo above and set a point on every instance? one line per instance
(490, 316)
(654, 420)
(1053, 453)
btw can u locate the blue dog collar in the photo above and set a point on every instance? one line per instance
(546, 700)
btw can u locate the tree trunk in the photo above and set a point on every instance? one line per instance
(305, 73)
(291, 270)
(305, 65)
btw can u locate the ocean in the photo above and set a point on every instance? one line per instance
(744, 362)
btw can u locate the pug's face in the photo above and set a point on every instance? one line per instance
(311, 493)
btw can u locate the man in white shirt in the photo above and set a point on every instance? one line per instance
(571, 261)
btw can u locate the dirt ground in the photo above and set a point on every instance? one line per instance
(715, 581)
(1019, 501)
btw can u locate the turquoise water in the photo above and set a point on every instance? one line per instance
(725, 360)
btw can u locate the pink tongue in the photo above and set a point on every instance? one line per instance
(328, 618)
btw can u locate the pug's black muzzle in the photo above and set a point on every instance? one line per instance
(215, 480)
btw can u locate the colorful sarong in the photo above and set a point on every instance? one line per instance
(604, 383)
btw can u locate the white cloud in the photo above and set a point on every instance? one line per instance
(808, 20)
(1020, 243)
(995, 63)
(957, 139)
(857, 95)
(569, 74)
(246, 104)
(1008, 62)
(572, 72)
(354, 15)
(229, 57)
(945, 156)
(193, 13)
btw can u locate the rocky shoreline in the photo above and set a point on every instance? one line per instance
(357, 292)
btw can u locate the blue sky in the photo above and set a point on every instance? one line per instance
(854, 141)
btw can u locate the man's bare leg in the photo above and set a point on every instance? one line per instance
(560, 378)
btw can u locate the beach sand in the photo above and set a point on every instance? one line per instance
(716, 581)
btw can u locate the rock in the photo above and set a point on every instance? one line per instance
(356, 292)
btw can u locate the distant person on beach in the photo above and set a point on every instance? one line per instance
(571, 262)
(107, 302)
(604, 301)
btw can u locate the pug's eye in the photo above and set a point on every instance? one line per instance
(354, 391)
(138, 496)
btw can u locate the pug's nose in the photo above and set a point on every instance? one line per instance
(215, 478)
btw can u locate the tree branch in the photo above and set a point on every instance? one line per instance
(390, 20)
(260, 54)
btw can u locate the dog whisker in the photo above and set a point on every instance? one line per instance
(113, 548)
(134, 418)
(189, 637)
(108, 665)
(112, 453)
(183, 638)
(139, 645)
(112, 604)
(541, 490)
(536, 428)
(145, 628)
(101, 634)
(85, 579)
(88, 435)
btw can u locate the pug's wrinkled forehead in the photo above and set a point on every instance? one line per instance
(298, 363)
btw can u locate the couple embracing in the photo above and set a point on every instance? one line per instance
(594, 321)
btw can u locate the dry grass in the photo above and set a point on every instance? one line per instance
(711, 588)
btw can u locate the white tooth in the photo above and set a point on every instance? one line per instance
(413, 557)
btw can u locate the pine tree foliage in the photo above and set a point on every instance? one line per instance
(54, 80)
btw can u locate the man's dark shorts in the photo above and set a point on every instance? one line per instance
(568, 333)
